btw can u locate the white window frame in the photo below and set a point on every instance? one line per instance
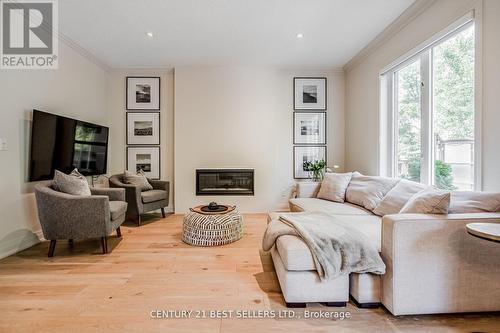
(388, 115)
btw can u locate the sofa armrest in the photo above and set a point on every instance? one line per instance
(435, 266)
(159, 184)
(114, 194)
(307, 189)
(132, 195)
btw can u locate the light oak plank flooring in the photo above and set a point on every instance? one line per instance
(81, 290)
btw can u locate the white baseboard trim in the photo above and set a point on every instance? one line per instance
(20, 242)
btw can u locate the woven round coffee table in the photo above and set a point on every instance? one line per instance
(205, 228)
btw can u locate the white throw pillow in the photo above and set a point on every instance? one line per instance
(75, 183)
(474, 202)
(139, 179)
(397, 197)
(368, 191)
(428, 201)
(333, 186)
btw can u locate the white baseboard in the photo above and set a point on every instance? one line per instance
(19, 241)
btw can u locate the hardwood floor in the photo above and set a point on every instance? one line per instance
(149, 268)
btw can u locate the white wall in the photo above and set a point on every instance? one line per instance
(117, 114)
(362, 85)
(77, 89)
(241, 117)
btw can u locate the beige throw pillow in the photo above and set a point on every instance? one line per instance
(397, 197)
(75, 183)
(333, 186)
(139, 179)
(428, 201)
(368, 191)
(474, 202)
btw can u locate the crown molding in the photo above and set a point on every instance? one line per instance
(327, 69)
(415, 9)
(83, 52)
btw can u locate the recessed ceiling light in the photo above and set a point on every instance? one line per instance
(149, 34)
(299, 36)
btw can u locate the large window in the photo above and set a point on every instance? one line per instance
(428, 110)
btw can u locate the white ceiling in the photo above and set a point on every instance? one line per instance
(226, 32)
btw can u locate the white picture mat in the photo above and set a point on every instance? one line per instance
(301, 119)
(133, 139)
(154, 82)
(320, 83)
(315, 154)
(132, 153)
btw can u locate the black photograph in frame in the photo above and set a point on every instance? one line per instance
(303, 154)
(309, 128)
(309, 93)
(146, 159)
(143, 93)
(143, 128)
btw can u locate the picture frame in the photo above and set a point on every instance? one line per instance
(309, 128)
(309, 93)
(303, 154)
(143, 128)
(145, 158)
(143, 93)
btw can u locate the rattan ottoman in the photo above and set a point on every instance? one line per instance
(212, 229)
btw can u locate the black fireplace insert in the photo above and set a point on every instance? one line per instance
(224, 182)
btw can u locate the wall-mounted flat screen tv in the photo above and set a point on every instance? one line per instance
(61, 143)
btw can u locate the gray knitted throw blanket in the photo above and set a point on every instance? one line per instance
(336, 248)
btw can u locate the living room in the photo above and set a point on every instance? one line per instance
(250, 165)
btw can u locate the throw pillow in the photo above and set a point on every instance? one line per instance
(75, 183)
(474, 202)
(138, 179)
(368, 191)
(428, 201)
(333, 186)
(397, 197)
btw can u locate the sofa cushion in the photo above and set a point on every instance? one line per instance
(428, 201)
(474, 202)
(296, 255)
(117, 209)
(397, 197)
(307, 189)
(75, 183)
(368, 191)
(139, 179)
(153, 195)
(333, 186)
(329, 207)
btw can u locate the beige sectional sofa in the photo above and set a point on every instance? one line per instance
(433, 264)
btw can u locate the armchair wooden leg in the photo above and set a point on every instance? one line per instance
(104, 244)
(118, 232)
(52, 247)
(138, 219)
(163, 212)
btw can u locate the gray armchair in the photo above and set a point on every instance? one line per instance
(66, 216)
(142, 202)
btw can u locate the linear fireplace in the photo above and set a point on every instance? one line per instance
(224, 182)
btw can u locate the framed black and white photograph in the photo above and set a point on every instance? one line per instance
(143, 128)
(146, 159)
(143, 93)
(309, 93)
(309, 128)
(304, 154)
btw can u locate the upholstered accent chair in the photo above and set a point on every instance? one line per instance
(66, 216)
(143, 202)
